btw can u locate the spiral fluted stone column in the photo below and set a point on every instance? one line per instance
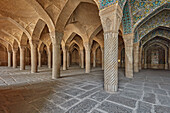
(111, 19)
(39, 59)
(56, 41)
(102, 50)
(87, 51)
(34, 55)
(15, 58)
(68, 59)
(64, 59)
(94, 59)
(9, 59)
(82, 58)
(49, 58)
(22, 58)
(128, 38)
(136, 57)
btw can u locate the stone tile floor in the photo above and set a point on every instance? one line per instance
(77, 92)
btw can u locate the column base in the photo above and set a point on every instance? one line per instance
(129, 74)
(110, 88)
(22, 69)
(33, 72)
(87, 71)
(55, 76)
(166, 66)
(145, 66)
(136, 71)
(49, 67)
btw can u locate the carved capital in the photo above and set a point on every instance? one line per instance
(128, 39)
(23, 47)
(34, 43)
(111, 18)
(14, 50)
(56, 37)
(87, 46)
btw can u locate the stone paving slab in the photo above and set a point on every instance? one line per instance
(100, 96)
(164, 100)
(114, 108)
(161, 109)
(144, 107)
(77, 92)
(149, 97)
(70, 103)
(74, 91)
(83, 107)
(123, 100)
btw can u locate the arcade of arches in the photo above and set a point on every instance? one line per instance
(124, 38)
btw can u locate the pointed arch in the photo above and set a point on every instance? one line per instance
(38, 29)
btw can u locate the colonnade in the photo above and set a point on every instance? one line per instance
(111, 19)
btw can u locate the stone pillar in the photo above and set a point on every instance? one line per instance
(39, 59)
(64, 59)
(34, 55)
(82, 58)
(102, 50)
(128, 38)
(56, 36)
(68, 59)
(145, 63)
(22, 58)
(94, 59)
(9, 58)
(87, 51)
(79, 59)
(49, 58)
(169, 58)
(111, 19)
(15, 58)
(136, 57)
(166, 59)
(140, 58)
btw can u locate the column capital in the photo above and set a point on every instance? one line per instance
(87, 46)
(14, 50)
(128, 36)
(56, 37)
(81, 50)
(128, 39)
(40, 52)
(136, 45)
(9, 51)
(111, 18)
(23, 47)
(34, 42)
(64, 48)
(56, 34)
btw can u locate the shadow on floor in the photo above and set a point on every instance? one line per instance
(25, 98)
